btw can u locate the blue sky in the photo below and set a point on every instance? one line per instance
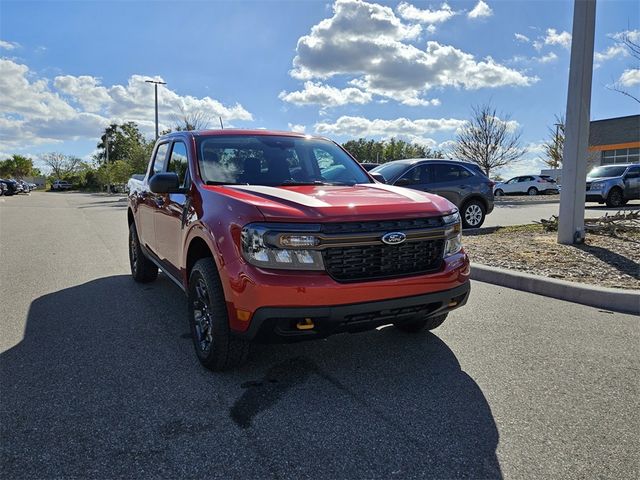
(344, 69)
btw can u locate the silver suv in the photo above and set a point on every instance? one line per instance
(614, 185)
(462, 183)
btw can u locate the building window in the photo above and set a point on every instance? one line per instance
(621, 155)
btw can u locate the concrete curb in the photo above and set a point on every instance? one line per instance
(617, 300)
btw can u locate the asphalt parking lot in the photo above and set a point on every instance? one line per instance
(519, 210)
(98, 378)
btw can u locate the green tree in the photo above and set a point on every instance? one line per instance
(17, 166)
(125, 143)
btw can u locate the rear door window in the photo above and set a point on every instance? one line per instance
(444, 172)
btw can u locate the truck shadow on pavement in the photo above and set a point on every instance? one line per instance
(105, 384)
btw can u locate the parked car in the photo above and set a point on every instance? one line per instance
(61, 185)
(3, 187)
(26, 187)
(462, 183)
(614, 185)
(12, 186)
(283, 237)
(527, 184)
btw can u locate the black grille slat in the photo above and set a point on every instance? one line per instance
(383, 225)
(367, 262)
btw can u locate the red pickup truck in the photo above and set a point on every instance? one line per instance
(282, 237)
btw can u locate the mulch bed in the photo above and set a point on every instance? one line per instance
(603, 260)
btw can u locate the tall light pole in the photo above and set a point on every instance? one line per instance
(574, 155)
(156, 83)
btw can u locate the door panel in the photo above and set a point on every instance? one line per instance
(148, 201)
(170, 214)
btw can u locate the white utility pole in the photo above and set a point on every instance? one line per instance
(574, 161)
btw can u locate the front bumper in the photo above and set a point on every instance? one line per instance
(595, 196)
(278, 324)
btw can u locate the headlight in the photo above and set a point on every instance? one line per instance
(453, 232)
(262, 247)
(597, 186)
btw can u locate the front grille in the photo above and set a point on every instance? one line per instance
(367, 262)
(383, 225)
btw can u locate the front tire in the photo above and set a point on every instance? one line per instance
(143, 270)
(418, 326)
(533, 191)
(615, 198)
(216, 347)
(473, 214)
(499, 193)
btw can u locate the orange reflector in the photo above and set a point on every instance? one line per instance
(306, 324)
(243, 315)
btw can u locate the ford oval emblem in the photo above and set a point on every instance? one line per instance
(394, 238)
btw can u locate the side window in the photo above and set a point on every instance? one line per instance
(633, 172)
(450, 173)
(413, 175)
(178, 162)
(159, 159)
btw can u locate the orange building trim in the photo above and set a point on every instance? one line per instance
(616, 146)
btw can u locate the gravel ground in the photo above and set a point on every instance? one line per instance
(602, 260)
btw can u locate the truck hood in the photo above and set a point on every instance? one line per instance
(337, 203)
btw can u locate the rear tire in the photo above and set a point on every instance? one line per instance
(498, 193)
(418, 326)
(216, 346)
(473, 214)
(532, 191)
(615, 198)
(143, 270)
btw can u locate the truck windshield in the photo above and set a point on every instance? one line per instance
(275, 161)
(603, 172)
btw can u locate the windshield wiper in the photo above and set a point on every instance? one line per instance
(314, 182)
(213, 182)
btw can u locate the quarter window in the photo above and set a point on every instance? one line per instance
(159, 159)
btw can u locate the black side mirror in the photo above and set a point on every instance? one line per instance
(165, 183)
(403, 182)
(379, 177)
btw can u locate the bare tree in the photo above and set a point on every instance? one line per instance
(61, 165)
(634, 50)
(196, 120)
(488, 140)
(554, 147)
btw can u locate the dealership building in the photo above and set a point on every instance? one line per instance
(614, 140)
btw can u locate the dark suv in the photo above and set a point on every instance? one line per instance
(462, 183)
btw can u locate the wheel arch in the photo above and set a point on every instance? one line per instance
(480, 198)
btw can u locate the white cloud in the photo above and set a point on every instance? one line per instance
(325, 95)
(297, 128)
(554, 38)
(631, 35)
(548, 58)
(71, 108)
(398, 127)
(8, 45)
(369, 43)
(521, 38)
(480, 10)
(630, 77)
(429, 17)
